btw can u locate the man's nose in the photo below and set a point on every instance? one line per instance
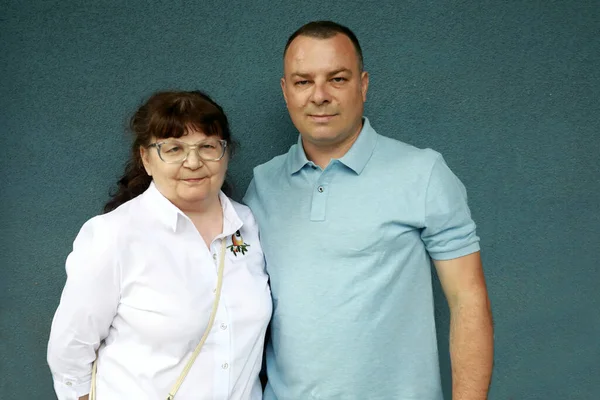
(320, 94)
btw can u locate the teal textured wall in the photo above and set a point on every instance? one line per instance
(508, 91)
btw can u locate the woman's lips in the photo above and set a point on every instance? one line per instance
(193, 180)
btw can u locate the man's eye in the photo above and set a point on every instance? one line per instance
(300, 83)
(339, 79)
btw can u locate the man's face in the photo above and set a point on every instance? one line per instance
(324, 90)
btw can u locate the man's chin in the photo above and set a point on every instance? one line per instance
(323, 138)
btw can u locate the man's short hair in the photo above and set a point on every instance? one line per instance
(326, 30)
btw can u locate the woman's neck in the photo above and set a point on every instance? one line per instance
(208, 220)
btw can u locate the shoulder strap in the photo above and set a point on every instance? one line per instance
(93, 388)
(211, 320)
(190, 362)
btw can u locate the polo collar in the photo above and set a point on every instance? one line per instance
(297, 159)
(361, 151)
(356, 158)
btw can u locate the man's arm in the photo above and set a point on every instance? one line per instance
(471, 331)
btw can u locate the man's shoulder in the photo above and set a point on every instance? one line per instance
(273, 164)
(271, 168)
(396, 151)
(265, 178)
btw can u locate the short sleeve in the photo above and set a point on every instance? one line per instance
(449, 231)
(87, 307)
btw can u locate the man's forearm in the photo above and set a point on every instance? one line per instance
(471, 347)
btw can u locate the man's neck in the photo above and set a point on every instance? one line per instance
(322, 153)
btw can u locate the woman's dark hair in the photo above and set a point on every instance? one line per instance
(166, 115)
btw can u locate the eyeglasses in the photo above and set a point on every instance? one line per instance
(175, 151)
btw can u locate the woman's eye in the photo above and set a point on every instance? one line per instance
(173, 149)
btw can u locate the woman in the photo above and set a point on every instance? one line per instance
(143, 277)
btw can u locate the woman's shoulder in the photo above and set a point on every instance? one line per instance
(112, 223)
(243, 212)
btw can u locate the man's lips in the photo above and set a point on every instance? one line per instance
(321, 117)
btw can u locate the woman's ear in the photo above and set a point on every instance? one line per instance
(145, 156)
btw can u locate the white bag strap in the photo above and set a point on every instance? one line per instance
(93, 388)
(211, 320)
(190, 362)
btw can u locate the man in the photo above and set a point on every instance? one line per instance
(349, 221)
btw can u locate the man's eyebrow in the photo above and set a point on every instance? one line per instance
(300, 74)
(339, 70)
(332, 73)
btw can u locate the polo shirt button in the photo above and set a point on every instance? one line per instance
(321, 189)
(215, 257)
(225, 366)
(69, 384)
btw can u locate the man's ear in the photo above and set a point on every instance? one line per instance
(283, 89)
(145, 154)
(364, 84)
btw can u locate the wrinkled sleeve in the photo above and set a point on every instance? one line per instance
(87, 307)
(449, 231)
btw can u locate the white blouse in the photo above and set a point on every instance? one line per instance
(140, 288)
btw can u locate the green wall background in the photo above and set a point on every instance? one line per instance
(508, 91)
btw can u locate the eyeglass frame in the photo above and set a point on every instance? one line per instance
(157, 146)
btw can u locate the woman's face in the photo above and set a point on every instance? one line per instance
(190, 185)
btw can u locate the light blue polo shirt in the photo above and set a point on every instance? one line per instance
(347, 251)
